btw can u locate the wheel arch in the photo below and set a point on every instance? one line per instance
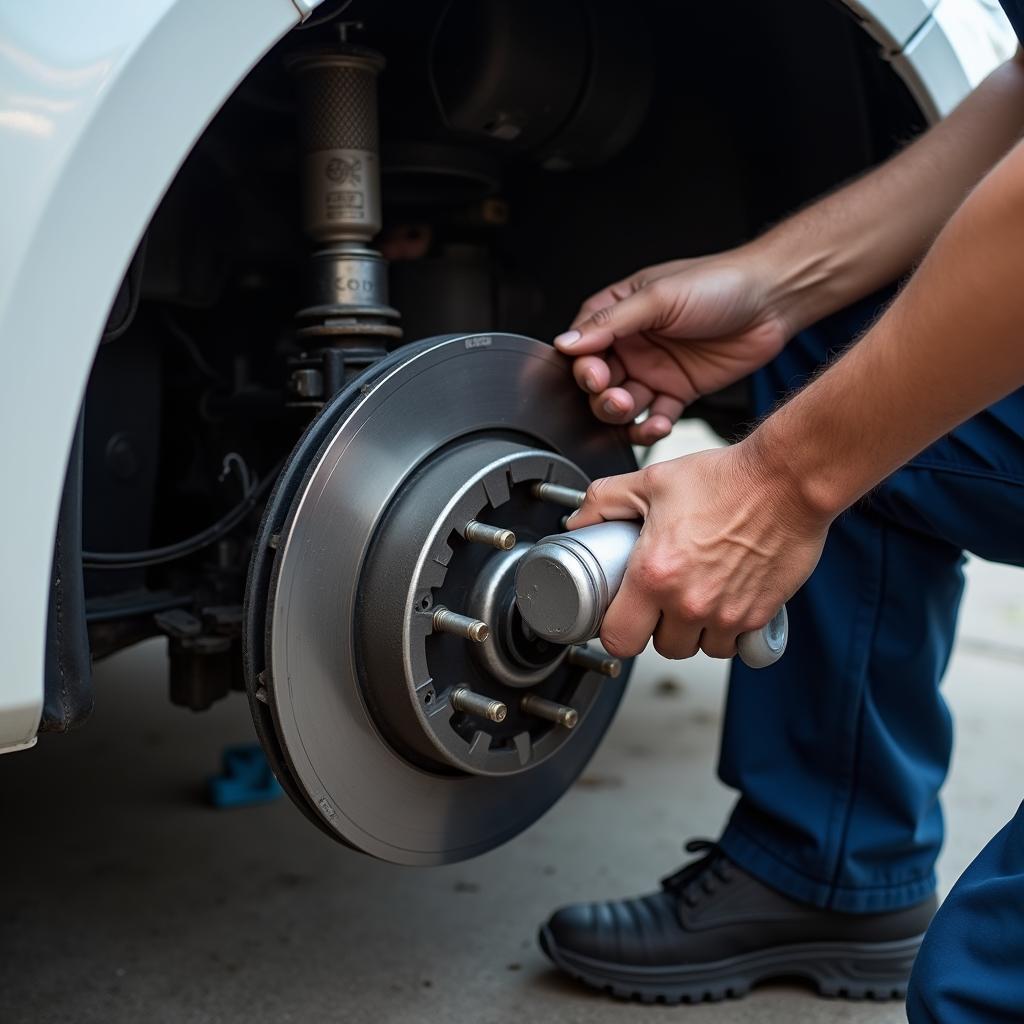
(81, 174)
(940, 48)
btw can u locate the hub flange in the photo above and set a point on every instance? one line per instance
(420, 560)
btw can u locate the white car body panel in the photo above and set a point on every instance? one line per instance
(892, 22)
(99, 105)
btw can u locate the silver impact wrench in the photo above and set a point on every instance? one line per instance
(565, 583)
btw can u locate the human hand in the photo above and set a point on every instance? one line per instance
(659, 339)
(725, 543)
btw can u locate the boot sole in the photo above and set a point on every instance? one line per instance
(850, 970)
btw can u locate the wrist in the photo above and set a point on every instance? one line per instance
(791, 471)
(805, 278)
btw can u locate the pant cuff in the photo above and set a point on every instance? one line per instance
(770, 868)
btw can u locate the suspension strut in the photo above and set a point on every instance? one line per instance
(347, 323)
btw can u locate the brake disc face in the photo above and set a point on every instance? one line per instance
(356, 684)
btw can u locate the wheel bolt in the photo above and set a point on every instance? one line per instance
(595, 661)
(445, 621)
(559, 495)
(496, 536)
(472, 703)
(549, 710)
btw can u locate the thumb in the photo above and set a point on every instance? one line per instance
(643, 310)
(612, 497)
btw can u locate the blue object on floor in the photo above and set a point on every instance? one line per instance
(245, 779)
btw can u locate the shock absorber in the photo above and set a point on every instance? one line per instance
(347, 323)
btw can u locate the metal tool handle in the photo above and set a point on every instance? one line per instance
(763, 647)
(611, 545)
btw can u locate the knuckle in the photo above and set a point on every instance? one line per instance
(695, 607)
(660, 288)
(655, 572)
(663, 291)
(656, 475)
(728, 619)
(754, 618)
(603, 317)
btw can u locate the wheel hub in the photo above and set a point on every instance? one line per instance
(389, 532)
(421, 561)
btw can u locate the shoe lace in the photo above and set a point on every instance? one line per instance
(701, 877)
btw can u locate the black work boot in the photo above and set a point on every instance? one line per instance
(715, 931)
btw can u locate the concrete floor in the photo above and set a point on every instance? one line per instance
(124, 899)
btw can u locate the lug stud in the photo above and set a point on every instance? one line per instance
(549, 710)
(445, 621)
(463, 699)
(559, 495)
(496, 536)
(595, 661)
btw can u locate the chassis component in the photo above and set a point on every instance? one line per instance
(358, 697)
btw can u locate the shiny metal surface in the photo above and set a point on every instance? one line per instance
(560, 714)
(570, 497)
(484, 533)
(350, 776)
(486, 597)
(341, 143)
(763, 647)
(349, 280)
(476, 704)
(418, 562)
(596, 659)
(446, 621)
(565, 584)
(561, 592)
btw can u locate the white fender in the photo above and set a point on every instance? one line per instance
(940, 48)
(99, 105)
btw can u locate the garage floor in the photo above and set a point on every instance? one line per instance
(124, 899)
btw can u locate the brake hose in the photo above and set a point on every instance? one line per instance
(188, 545)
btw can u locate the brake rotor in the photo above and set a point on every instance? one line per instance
(357, 676)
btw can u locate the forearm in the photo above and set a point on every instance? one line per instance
(950, 344)
(874, 230)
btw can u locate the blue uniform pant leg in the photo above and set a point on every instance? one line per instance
(969, 968)
(840, 749)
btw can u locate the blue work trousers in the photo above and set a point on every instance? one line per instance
(840, 749)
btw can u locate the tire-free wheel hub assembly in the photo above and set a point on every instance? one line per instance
(405, 705)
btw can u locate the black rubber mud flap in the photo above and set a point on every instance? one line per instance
(68, 692)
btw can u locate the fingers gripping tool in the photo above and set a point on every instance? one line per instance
(565, 583)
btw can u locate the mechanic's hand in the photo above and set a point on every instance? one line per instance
(723, 546)
(663, 337)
